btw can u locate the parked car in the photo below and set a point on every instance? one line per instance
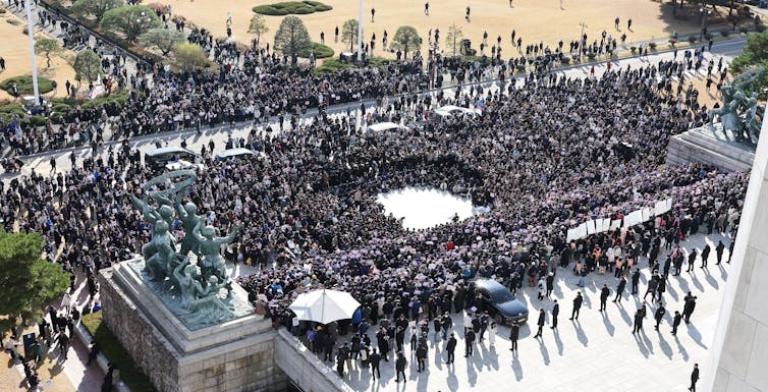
(451, 110)
(502, 305)
(234, 153)
(158, 159)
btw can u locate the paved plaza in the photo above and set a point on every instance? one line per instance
(596, 353)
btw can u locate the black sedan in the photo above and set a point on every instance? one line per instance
(500, 302)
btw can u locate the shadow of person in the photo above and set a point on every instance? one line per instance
(624, 315)
(493, 358)
(471, 373)
(580, 334)
(710, 279)
(452, 381)
(723, 273)
(607, 322)
(641, 345)
(694, 333)
(664, 345)
(683, 352)
(544, 352)
(558, 342)
(697, 282)
(517, 368)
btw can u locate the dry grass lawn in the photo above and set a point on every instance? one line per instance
(14, 48)
(533, 20)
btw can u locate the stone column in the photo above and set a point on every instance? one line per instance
(739, 354)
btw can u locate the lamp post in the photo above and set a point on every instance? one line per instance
(360, 32)
(31, 33)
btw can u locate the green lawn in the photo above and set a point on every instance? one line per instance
(24, 84)
(111, 348)
(292, 8)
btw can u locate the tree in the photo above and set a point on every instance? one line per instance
(349, 33)
(754, 54)
(258, 26)
(190, 57)
(47, 47)
(453, 38)
(162, 39)
(28, 282)
(131, 20)
(292, 38)
(97, 8)
(406, 38)
(87, 65)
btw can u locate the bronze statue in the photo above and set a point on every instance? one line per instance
(194, 288)
(739, 112)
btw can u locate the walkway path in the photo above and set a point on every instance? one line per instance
(40, 162)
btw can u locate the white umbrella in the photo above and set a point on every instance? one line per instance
(324, 306)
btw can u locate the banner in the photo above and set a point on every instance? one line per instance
(591, 229)
(577, 233)
(634, 218)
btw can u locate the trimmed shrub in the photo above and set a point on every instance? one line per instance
(331, 66)
(292, 8)
(24, 84)
(321, 51)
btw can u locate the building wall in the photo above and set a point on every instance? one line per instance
(739, 353)
(245, 364)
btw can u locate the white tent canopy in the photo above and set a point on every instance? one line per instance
(324, 306)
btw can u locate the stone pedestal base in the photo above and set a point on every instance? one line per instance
(712, 148)
(237, 355)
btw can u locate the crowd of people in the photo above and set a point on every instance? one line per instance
(255, 84)
(542, 157)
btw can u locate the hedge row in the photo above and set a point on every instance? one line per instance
(24, 84)
(292, 8)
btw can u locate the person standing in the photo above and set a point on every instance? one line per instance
(450, 348)
(63, 345)
(555, 312)
(469, 341)
(421, 357)
(690, 305)
(705, 255)
(691, 260)
(659, 315)
(635, 280)
(374, 360)
(340, 359)
(492, 333)
(719, 251)
(639, 315)
(514, 334)
(676, 320)
(540, 323)
(400, 364)
(620, 289)
(694, 377)
(426, 8)
(730, 248)
(373, 14)
(577, 306)
(550, 276)
(541, 287)
(604, 293)
(466, 16)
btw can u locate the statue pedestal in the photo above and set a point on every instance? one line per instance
(710, 147)
(237, 355)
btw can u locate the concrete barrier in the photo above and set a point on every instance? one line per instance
(304, 368)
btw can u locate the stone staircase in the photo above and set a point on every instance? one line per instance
(701, 145)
